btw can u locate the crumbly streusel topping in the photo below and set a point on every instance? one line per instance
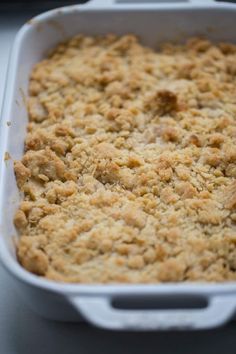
(129, 166)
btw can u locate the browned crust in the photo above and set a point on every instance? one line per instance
(129, 169)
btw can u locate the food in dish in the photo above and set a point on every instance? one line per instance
(129, 167)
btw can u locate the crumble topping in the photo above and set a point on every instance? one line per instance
(129, 166)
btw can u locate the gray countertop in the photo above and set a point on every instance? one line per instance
(23, 332)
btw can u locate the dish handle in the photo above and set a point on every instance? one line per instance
(100, 312)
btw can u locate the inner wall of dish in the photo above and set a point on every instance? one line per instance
(40, 36)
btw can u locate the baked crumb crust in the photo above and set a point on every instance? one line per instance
(129, 166)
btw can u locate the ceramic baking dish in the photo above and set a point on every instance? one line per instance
(127, 307)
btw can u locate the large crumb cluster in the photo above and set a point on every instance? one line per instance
(129, 166)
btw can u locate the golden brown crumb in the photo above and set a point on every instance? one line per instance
(7, 156)
(129, 166)
(31, 256)
(22, 173)
(162, 102)
(20, 220)
(231, 196)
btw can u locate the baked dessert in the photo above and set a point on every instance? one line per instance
(129, 166)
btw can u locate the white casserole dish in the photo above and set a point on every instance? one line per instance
(154, 23)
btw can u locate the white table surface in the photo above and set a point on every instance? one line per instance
(23, 332)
